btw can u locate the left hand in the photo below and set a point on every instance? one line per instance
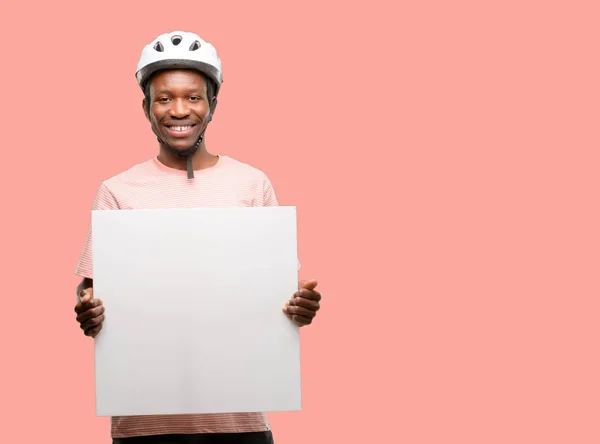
(303, 306)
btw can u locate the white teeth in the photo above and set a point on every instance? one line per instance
(180, 128)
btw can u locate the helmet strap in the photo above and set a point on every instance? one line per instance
(186, 153)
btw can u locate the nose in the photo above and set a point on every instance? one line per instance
(179, 109)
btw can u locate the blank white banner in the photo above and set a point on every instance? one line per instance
(193, 301)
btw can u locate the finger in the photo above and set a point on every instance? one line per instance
(312, 295)
(86, 296)
(93, 322)
(306, 303)
(309, 284)
(90, 310)
(93, 331)
(90, 314)
(284, 309)
(301, 320)
(300, 311)
(81, 307)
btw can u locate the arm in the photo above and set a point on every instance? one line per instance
(304, 304)
(90, 311)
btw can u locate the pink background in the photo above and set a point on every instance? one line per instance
(443, 157)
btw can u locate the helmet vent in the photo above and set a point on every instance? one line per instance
(194, 46)
(159, 47)
(176, 40)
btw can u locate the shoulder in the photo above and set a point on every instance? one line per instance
(242, 167)
(135, 173)
(111, 190)
(245, 171)
(252, 180)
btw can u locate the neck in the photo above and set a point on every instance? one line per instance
(200, 159)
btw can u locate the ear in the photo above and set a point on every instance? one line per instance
(213, 105)
(145, 109)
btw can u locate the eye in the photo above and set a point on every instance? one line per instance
(163, 100)
(195, 98)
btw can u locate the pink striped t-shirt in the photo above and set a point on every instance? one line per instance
(149, 185)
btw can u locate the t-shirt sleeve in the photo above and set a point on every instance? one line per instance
(269, 197)
(104, 200)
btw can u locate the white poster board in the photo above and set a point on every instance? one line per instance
(193, 301)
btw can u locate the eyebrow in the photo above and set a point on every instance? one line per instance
(191, 91)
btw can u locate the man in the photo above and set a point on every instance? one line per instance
(180, 75)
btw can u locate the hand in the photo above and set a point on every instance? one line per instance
(303, 306)
(90, 313)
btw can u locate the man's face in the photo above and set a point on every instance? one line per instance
(178, 107)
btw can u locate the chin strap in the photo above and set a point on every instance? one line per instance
(187, 153)
(190, 168)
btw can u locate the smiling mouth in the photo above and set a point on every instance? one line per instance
(181, 129)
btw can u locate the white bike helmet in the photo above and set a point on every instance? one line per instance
(181, 50)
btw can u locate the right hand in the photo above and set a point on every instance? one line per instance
(90, 313)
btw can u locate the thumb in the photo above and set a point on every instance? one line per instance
(86, 295)
(309, 284)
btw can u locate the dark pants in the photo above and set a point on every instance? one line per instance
(208, 438)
